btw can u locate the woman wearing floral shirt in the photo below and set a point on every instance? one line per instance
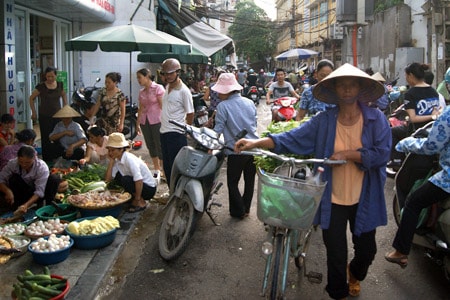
(111, 105)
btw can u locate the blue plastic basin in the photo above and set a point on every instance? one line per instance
(94, 241)
(50, 258)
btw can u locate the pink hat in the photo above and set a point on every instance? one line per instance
(226, 83)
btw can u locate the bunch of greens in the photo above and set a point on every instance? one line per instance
(90, 173)
(269, 164)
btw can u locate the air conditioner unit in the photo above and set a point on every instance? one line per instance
(336, 32)
(346, 10)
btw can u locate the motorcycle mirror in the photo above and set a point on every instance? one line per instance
(97, 79)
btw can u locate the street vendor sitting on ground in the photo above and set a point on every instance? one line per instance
(129, 171)
(26, 180)
(68, 137)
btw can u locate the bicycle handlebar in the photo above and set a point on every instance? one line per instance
(261, 152)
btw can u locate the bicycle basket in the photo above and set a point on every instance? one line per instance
(287, 202)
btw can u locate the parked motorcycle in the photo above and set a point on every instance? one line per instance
(193, 183)
(286, 110)
(85, 97)
(129, 125)
(433, 229)
(253, 94)
(201, 114)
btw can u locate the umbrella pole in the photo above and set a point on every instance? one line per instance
(131, 97)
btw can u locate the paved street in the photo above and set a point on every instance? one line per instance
(225, 262)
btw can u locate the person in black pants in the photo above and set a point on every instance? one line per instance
(177, 105)
(230, 124)
(434, 190)
(354, 196)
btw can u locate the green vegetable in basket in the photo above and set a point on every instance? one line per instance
(279, 203)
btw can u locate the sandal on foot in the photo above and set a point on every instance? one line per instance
(402, 261)
(354, 286)
(137, 208)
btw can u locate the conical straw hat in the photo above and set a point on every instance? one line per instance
(66, 112)
(378, 77)
(370, 90)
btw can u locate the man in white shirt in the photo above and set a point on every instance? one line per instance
(177, 105)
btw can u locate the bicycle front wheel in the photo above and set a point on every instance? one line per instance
(276, 263)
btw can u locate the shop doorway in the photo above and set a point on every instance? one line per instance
(39, 44)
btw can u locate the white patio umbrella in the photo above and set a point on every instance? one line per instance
(297, 53)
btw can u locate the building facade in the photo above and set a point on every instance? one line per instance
(385, 41)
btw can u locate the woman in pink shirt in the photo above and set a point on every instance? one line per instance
(149, 115)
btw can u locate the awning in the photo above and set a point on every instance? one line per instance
(183, 23)
(195, 57)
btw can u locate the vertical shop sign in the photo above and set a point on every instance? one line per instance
(62, 77)
(10, 64)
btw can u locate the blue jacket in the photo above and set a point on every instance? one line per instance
(317, 137)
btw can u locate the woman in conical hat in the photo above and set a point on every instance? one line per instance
(68, 136)
(378, 77)
(354, 195)
(383, 102)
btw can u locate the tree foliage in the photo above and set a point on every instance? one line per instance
(252, 32)
(381, 5)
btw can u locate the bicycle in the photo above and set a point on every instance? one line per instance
(287, 203)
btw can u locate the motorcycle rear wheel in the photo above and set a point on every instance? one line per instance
(177, 227)
(129, 128)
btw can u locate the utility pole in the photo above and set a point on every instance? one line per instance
(293, 43)
(352, 16)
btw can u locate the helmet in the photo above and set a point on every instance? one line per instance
(251, 71)
(447, 76)
(170, 65)
(261, 71)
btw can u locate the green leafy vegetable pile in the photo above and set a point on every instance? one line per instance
(269, 164)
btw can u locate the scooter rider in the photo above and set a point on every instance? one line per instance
(261, 80)
(252, 78)
(279, 88)
(436, 189)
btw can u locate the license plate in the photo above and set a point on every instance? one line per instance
(202, 120)
(253, 96)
